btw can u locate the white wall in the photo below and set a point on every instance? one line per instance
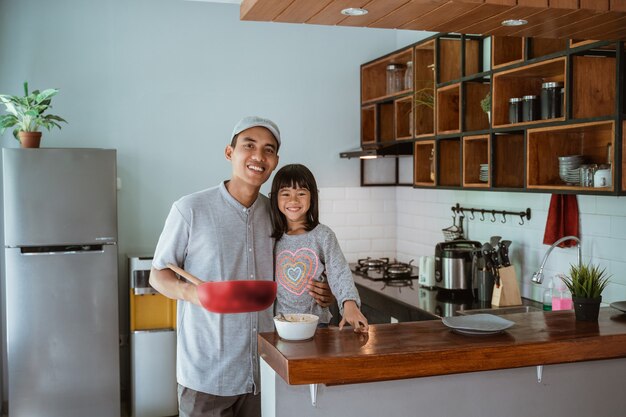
(420, 214)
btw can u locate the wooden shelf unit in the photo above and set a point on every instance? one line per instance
(521, 156)
(546, 144)
(476, 151)
(424, 155)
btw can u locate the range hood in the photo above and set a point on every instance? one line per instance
(379, 151)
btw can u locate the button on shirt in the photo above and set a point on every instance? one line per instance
(216, 238)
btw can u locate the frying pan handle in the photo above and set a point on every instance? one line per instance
(180, 271)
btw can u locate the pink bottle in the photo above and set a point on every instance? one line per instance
(561, 297)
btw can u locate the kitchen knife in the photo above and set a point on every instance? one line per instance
(488, 252)
(496, 264)
(493, 241)
(504, 253)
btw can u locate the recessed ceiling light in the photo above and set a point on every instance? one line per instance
(514, 22)
(354, 11)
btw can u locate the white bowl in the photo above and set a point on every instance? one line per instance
(296, 326)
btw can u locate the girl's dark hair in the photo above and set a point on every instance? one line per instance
(293, 176)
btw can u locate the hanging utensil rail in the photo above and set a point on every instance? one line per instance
(472, 213)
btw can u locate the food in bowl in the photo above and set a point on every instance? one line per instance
(296, 326)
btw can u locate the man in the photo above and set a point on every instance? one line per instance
(221, 234)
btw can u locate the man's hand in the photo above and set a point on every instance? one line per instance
(320, 291)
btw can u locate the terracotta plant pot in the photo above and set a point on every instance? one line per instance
(29, 139)
(587, 309)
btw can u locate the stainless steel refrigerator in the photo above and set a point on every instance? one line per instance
(61, 298)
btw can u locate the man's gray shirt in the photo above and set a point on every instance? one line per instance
(214, 237)
(311, 256)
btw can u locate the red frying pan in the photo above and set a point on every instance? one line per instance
(245, 296)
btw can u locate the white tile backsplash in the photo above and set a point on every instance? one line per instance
(406, 223)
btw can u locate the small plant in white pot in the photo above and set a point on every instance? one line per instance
(586, 283)
(26, 115)
(485, 104)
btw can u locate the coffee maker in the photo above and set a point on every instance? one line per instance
(453, 264)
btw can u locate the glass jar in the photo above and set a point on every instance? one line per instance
(408, 76)
(395, 78)
(551, 100)
(529, 108)
(515, 110)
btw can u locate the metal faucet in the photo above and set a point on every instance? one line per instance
(538, 276)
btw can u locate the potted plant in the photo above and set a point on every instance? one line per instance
(26, 114)
(485, 104)
(586, 283)
(425, 97)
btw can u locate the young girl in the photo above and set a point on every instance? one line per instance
(307, 250)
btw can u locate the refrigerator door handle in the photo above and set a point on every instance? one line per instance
(60, 250)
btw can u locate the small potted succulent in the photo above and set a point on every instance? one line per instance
(26, 115)
(485, 104)
(586, 283)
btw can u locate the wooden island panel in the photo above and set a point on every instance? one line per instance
(429, 348)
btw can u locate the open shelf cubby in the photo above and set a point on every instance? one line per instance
(404, 118)
(546, 144)
(449, 58)
(368, 125)
(448, 110)
(386, 116)
(424, 163)
(508, 166)
(473, 116)
(449, 162)
(424, 82)
(374, 76)
(522, 81)
(475, 153)
(593, 86)
(539, 47)
(506, 50)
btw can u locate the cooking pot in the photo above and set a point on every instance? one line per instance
(453, 264)
(240, 296)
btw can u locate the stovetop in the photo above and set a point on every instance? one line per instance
(392, 272)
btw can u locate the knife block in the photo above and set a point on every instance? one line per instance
(507, 294)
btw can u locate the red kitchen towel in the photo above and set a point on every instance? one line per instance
(562, 220)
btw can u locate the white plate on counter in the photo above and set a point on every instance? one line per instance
(483, 323)
(619, 305)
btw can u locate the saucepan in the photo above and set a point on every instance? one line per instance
(240, 296)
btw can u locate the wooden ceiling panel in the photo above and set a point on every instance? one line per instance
(545, 27)
(479, 14)
(546, 18)
(377, 10)
(599, 19)
(593, 33)
(440, 15)
(407, 13)
(264, 10)
(495, 22)
(301, 10)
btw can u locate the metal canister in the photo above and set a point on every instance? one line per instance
(551, 100)
(529, 108)
(515, 110)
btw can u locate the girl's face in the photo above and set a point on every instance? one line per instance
(294, 203)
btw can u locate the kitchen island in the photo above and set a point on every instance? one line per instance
(423, 368)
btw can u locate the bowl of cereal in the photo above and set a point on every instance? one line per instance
(296, 326)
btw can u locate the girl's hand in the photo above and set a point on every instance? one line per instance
(352, 315)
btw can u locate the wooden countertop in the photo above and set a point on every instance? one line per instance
(428, 348)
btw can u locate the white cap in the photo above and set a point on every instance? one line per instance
(254, 121)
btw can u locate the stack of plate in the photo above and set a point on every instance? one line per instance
(568, 168)
(484, 173)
